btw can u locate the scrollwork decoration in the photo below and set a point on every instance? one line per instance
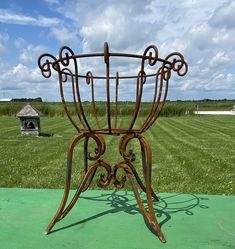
(99, 150)
(104, 179)
(178, 63)
(152, 59)
(45, 62)
(120, 183)
(65, 55)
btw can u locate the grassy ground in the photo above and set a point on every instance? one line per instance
(190, 154)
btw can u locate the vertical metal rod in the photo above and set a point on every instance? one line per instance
(85, 154)
(106, 60)
(73, 89)
(64, 103)
(156, 114)
(78, 95)
(116, 99)
(89, 79)
(139, 90)
(75, 104)
(155, 102)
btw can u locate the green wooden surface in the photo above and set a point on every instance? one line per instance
(107, 219)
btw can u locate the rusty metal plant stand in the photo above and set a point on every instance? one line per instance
(67, 68)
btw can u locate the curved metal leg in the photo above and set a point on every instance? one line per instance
(139, 181)
(85, 182)
(89, 173)
(85, 158)
(87, 179)
(146, 160)
(67, 182)
(146, 149)
(149, 213)
(104, 181)
(129, 157)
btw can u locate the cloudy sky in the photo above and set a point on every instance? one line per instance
(203, 31)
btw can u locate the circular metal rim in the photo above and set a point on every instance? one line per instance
(166, 62)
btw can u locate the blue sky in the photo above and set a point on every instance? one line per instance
(203, 31)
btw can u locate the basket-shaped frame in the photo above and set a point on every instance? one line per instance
(67, 67)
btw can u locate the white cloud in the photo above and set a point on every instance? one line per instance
(224, 16)
(123, 24)
(203, 32)
(4, 37)
(116, 25)
(64, 35)
(19, 42)
(30, 53)
(52, 2)
(8, 16)
(200, 36)
(20, 73)
(23, 81)
(220, 59)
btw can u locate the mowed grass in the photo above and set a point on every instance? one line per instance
(191, 154)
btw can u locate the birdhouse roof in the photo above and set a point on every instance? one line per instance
(28, 111)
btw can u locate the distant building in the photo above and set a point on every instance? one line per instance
(233, 108)
(29, 120)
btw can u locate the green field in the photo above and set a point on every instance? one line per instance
(191, 154)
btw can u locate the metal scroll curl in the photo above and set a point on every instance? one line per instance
(46, 62)
(120, 183)
(178, 64)
(152, 58)
(100, 147)
(65, 55)
(104, 179)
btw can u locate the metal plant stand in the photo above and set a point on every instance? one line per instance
(67, 67)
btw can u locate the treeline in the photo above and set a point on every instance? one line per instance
(205, 100)
(39, 99)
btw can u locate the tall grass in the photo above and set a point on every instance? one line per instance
(124, 109)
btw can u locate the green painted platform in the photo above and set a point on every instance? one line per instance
(107, 219)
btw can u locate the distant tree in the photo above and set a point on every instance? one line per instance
(38, 99)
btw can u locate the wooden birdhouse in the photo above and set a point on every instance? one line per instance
(29, 120)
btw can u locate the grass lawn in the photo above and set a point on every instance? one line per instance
(194, 154)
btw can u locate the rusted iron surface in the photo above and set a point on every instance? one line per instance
(67, 68)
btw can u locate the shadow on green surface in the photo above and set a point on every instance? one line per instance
(165, 208)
